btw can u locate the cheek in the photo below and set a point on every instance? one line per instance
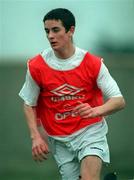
(64, 39)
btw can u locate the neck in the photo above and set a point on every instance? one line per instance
(65, 52)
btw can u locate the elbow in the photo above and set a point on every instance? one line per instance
(26, 107)
(122, 103)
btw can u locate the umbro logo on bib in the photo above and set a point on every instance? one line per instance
(66, 89)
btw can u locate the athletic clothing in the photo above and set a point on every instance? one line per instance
(68, 154)
(30, 93)
(62, 90)
(30, 90)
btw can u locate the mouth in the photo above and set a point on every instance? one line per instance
(53, 43)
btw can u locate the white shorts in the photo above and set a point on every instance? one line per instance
(69, 154)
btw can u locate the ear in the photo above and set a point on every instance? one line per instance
(71, 31)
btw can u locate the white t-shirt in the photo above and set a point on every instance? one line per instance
(30, 90)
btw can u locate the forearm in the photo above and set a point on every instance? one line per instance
(31, 119)
(39, 145)
(112, 105)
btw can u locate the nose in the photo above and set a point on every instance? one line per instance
(50, 35)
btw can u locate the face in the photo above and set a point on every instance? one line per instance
(58, 37)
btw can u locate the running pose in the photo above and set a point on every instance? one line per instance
(63, 93)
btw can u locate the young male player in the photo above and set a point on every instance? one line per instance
(64, 90)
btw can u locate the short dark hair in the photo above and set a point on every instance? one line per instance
(66, 17)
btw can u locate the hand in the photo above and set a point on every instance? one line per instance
(39, 149)
(86, 111)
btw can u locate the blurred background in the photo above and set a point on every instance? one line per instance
(105, 28)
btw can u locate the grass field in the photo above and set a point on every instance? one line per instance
(15, 154)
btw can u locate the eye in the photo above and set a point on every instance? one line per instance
(47, 31)
(56, 29)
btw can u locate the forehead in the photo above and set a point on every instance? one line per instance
(53, 23)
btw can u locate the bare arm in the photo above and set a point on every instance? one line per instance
(110, 106)
(39, 145)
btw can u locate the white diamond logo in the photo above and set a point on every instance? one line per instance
(66, 89)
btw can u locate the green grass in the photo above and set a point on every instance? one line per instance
(24, 168)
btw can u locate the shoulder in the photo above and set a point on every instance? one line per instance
(93, 57)
(39, 56)
(34, 60)
(34, 65)
(38, 60)
(93, 62)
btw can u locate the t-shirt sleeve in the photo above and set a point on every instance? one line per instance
(107, 84)
(30, 91)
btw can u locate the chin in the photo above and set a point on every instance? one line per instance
(56, 48)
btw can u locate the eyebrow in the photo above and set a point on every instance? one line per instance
(56, 27)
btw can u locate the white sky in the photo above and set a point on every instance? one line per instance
(22, 33)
